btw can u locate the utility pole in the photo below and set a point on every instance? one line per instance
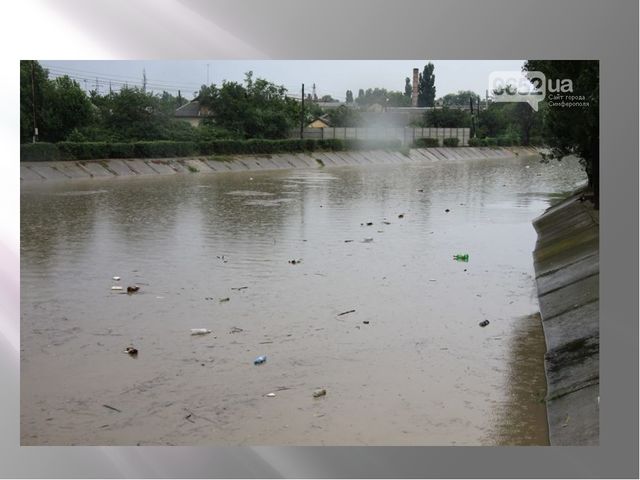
(302, 114)
(473, 123)
(144, 80)
(33, 101)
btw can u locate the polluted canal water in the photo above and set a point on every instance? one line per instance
(405, 364)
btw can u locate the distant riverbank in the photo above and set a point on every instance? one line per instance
(68, 170)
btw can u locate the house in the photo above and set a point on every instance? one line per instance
(320, 122)
(192, 112)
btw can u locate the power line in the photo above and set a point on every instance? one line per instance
(117, 76)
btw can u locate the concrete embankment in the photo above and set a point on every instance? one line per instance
(40, 171)
(566, 260)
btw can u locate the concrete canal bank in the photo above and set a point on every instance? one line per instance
(566, 260)
(65, 170)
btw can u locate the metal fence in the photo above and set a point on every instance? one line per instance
(406, 134)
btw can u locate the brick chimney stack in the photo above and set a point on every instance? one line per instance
(414, 92)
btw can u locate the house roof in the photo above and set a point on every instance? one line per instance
(191, 109)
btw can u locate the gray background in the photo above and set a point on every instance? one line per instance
(359, 29)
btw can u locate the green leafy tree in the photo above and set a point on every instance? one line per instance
(66, 107)
(344, 117)
(255, 109)
(574, 130)
(447, 118)
(33, 83)
(459, 99)
(427, 87)
(408, 90)
(349, 96)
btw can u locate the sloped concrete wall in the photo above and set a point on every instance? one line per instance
(40, 171)
(566, 260)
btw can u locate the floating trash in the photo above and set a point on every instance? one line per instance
(321, 392)
(131, 351)
(200, 331)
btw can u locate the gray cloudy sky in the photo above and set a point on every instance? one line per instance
(332, 77)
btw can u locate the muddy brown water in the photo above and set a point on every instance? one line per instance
(420, 372)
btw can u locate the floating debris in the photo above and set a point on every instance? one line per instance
(447, 210)
(295, 262)
(270, 395)
(367, 240)
(200, 331)
(239, 288)
(484, 323)
(401, 215)
(116, 278)
(387, 223)
(236, 330)
(344, 313)
(133, 288)
(461, 257)
(321, 392)
(366, 322)
(116, 287)
(348, 241)
(131, 351)
(260, 360)
(112, 408)
(226, 299)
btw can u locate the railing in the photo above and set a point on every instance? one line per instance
(406, 134)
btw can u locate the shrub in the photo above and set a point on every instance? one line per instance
(426, 142)
(507, 141)
(83, 150)
(172, 149)
(164, 149)
(39, 152)
(451, 142)
(475, 142)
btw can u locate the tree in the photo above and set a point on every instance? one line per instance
(33, 82)
(66, 108)
(574, 130)
(459, 99)
(349, 96)
(57, 106)
(344, 117)
(447, 118)
(427, 87)
(255, 109)
(408, 90)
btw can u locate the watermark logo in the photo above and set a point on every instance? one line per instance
(533, 87)
(516, 86)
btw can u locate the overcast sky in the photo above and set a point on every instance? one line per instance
(332, 77)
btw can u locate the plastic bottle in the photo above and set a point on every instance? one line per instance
(200, 331)
(260, 360)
